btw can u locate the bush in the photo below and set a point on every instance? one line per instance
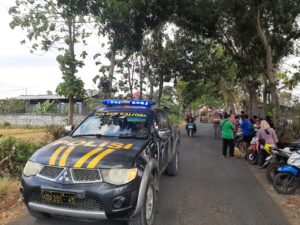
(175, 119)
(14, 153)
(56, 131)
(5, 124)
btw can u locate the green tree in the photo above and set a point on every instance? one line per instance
(50, 24)
(254, 32)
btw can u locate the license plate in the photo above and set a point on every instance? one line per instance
(190, 126)
(59, 197)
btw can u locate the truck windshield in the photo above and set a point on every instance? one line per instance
(116, 124)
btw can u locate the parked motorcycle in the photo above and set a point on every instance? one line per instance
(238, 140)
(253, 151)
(287, 179)
(191, 129)
(278, 158)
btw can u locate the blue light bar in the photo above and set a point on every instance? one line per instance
(132, 103)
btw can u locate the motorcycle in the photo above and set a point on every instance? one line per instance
(191, 129)
(238, 140)
(252, 152)
(256, 145)
(287, 179)
(278, 158)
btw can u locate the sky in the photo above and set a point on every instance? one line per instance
(24, 73)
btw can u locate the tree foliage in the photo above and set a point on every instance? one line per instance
(50, 24)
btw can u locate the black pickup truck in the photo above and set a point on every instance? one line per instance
(108, 168)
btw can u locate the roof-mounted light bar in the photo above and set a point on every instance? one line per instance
(132, 103)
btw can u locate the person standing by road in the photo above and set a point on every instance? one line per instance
(246, 129)
(216, 120)
(269, 136)
(227, 128)
(233, 120)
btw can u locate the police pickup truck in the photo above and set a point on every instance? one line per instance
(108, 168)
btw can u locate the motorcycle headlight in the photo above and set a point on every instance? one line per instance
(118, 176)
(32, 168)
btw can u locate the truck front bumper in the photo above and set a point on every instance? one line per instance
(93, 201)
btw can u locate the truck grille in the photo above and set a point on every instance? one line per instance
(90, 204)
(86, 175)
(51, 171)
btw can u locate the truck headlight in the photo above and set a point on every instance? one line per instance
(118, 176)
(32, 168)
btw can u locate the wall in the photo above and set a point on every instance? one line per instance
(37, 120)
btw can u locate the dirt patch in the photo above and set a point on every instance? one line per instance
(36, 135)
(11, 206)
(289, 204)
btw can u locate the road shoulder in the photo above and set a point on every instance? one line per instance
(289, 204)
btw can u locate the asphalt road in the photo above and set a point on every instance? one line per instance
(209, 190)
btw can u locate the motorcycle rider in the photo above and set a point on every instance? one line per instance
(190, 119)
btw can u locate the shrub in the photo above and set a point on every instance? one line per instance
(14, 154)
(56, 131)
(175, 119)
(5, 124)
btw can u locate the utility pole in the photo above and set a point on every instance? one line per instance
(26, 104)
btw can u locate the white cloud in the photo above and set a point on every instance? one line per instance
(21, 70)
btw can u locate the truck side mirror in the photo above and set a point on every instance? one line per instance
(164, 134)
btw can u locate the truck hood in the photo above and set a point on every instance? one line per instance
(90, 152)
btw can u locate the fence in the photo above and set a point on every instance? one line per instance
(38, 120)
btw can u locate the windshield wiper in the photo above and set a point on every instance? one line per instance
(127, 136)
(132, 136)
(88, 135)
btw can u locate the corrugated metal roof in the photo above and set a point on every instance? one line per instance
(39, 97)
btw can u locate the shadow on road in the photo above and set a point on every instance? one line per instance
(65, 221)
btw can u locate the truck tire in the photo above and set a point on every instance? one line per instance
(147, 215)
(172, 169)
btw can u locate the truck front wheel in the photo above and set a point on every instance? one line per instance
(147, 214)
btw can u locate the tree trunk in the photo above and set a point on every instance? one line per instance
(141, 78)
(111, 72)
(160, 89)
(71, 111)
(252, 99)
(130, 82)
(72, 67)
(151, 89)
(228, 96)
(265, 97)
(270, 68)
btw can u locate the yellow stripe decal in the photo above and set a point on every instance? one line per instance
(84, 158)
(55, 154)
(97, 159)
(63, 159)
